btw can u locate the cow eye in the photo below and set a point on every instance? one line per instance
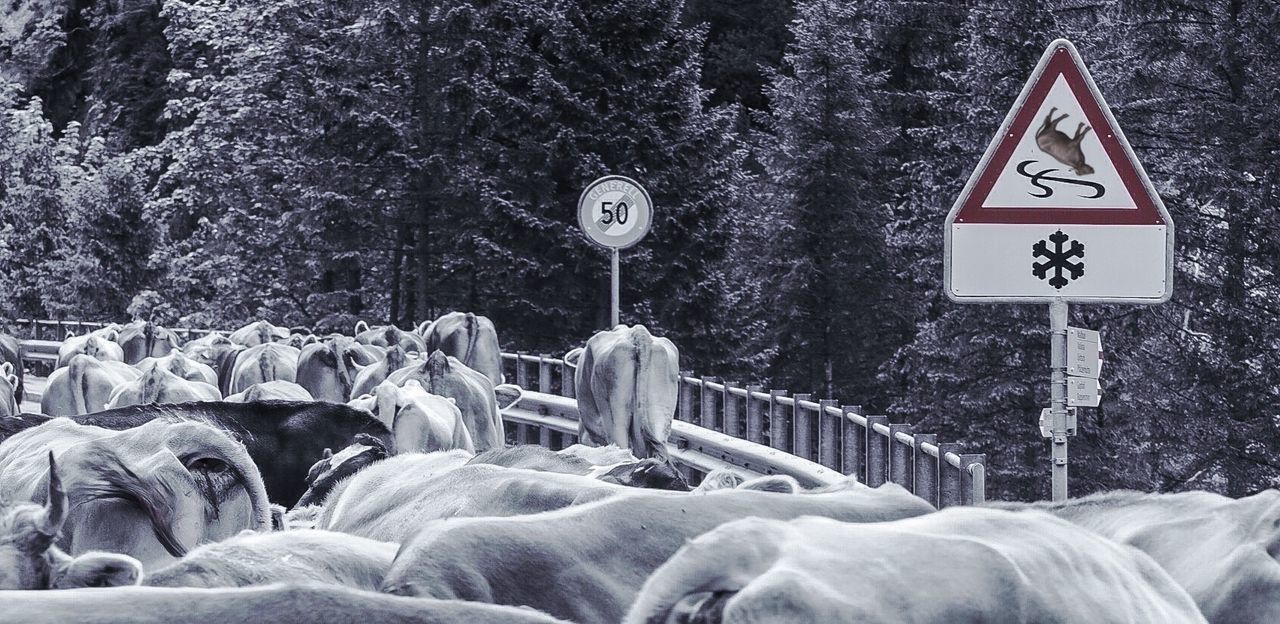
(208, 465)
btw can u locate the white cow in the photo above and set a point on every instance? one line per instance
(957, 565)
(99, 343)
(470, 338)
(181, 365)
(627, 383)
(276, 390)
(1225, 552)
(420, 422)
(84, 386)
(254, 558)
(158, 385)
(262, 363)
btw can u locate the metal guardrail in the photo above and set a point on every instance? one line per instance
(772, 429)
(742, 427)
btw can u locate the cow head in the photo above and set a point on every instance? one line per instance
(332, 469)
(29, 559)
(158, 489)
(651, 473)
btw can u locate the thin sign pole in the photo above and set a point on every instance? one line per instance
(615, 290)
(1058, 394)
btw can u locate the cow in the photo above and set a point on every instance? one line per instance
(586, 563)
(99, 344)
(474, 393)
(470, 338)
(181, 365)
(420, 422)
(9, 405)
(217, 352)
(11, 352)
(265, 362)
(388, 336)
(328, 369)
(277, 390)
(392, 499)
(144, 339)
(280, 603)
(150, 492)
(1225, 552)
(393, 359)
(334, 468)
(84, 386)
(629, 471)
(30, 560)
(253, 558)
(627, 382)
(158, 385)
(259, 333)
(1000, 567)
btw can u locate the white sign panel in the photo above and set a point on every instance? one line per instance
(1059, 207)
(1084, 353)
(1083, 392)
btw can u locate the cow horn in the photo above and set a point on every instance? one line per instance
(51, 518)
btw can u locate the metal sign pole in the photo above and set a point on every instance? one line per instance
(613, 310)
(1058, 389)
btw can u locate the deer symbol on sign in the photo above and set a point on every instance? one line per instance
(1065, 150)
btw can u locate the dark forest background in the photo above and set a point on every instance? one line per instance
(206, 162)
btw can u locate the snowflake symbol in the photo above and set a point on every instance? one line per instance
(1059, 259)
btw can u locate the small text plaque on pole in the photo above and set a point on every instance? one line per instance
(615, 212)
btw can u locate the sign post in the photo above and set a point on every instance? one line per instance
(1058, 211)
(615, 212)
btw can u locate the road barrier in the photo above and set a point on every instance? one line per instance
(719, 424)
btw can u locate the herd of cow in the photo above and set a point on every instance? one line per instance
(274, 476)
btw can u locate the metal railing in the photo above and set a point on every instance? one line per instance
(719, 424)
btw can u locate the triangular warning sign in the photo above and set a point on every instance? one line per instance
(1059, 208)
(1059, 158)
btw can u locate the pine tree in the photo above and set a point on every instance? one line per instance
(833, 312)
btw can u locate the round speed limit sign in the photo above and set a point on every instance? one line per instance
(615, 212)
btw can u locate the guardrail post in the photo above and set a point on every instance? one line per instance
(949, 489)
(926, 477)
(567, 387)
(972, 491)
(525, 433)
(802, 428)
(779, 433)
(877, 452)
(900, 464)
(828, 435)
(853, 444)
(686, 397)
(755, 415)
(544, 374)
(707, 414)
(544, 436)
(522, 375)
(732, 426)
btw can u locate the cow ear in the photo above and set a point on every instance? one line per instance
(508, 395)
(13, 380)
(328, 453)
(359, 325)
(6, 368)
